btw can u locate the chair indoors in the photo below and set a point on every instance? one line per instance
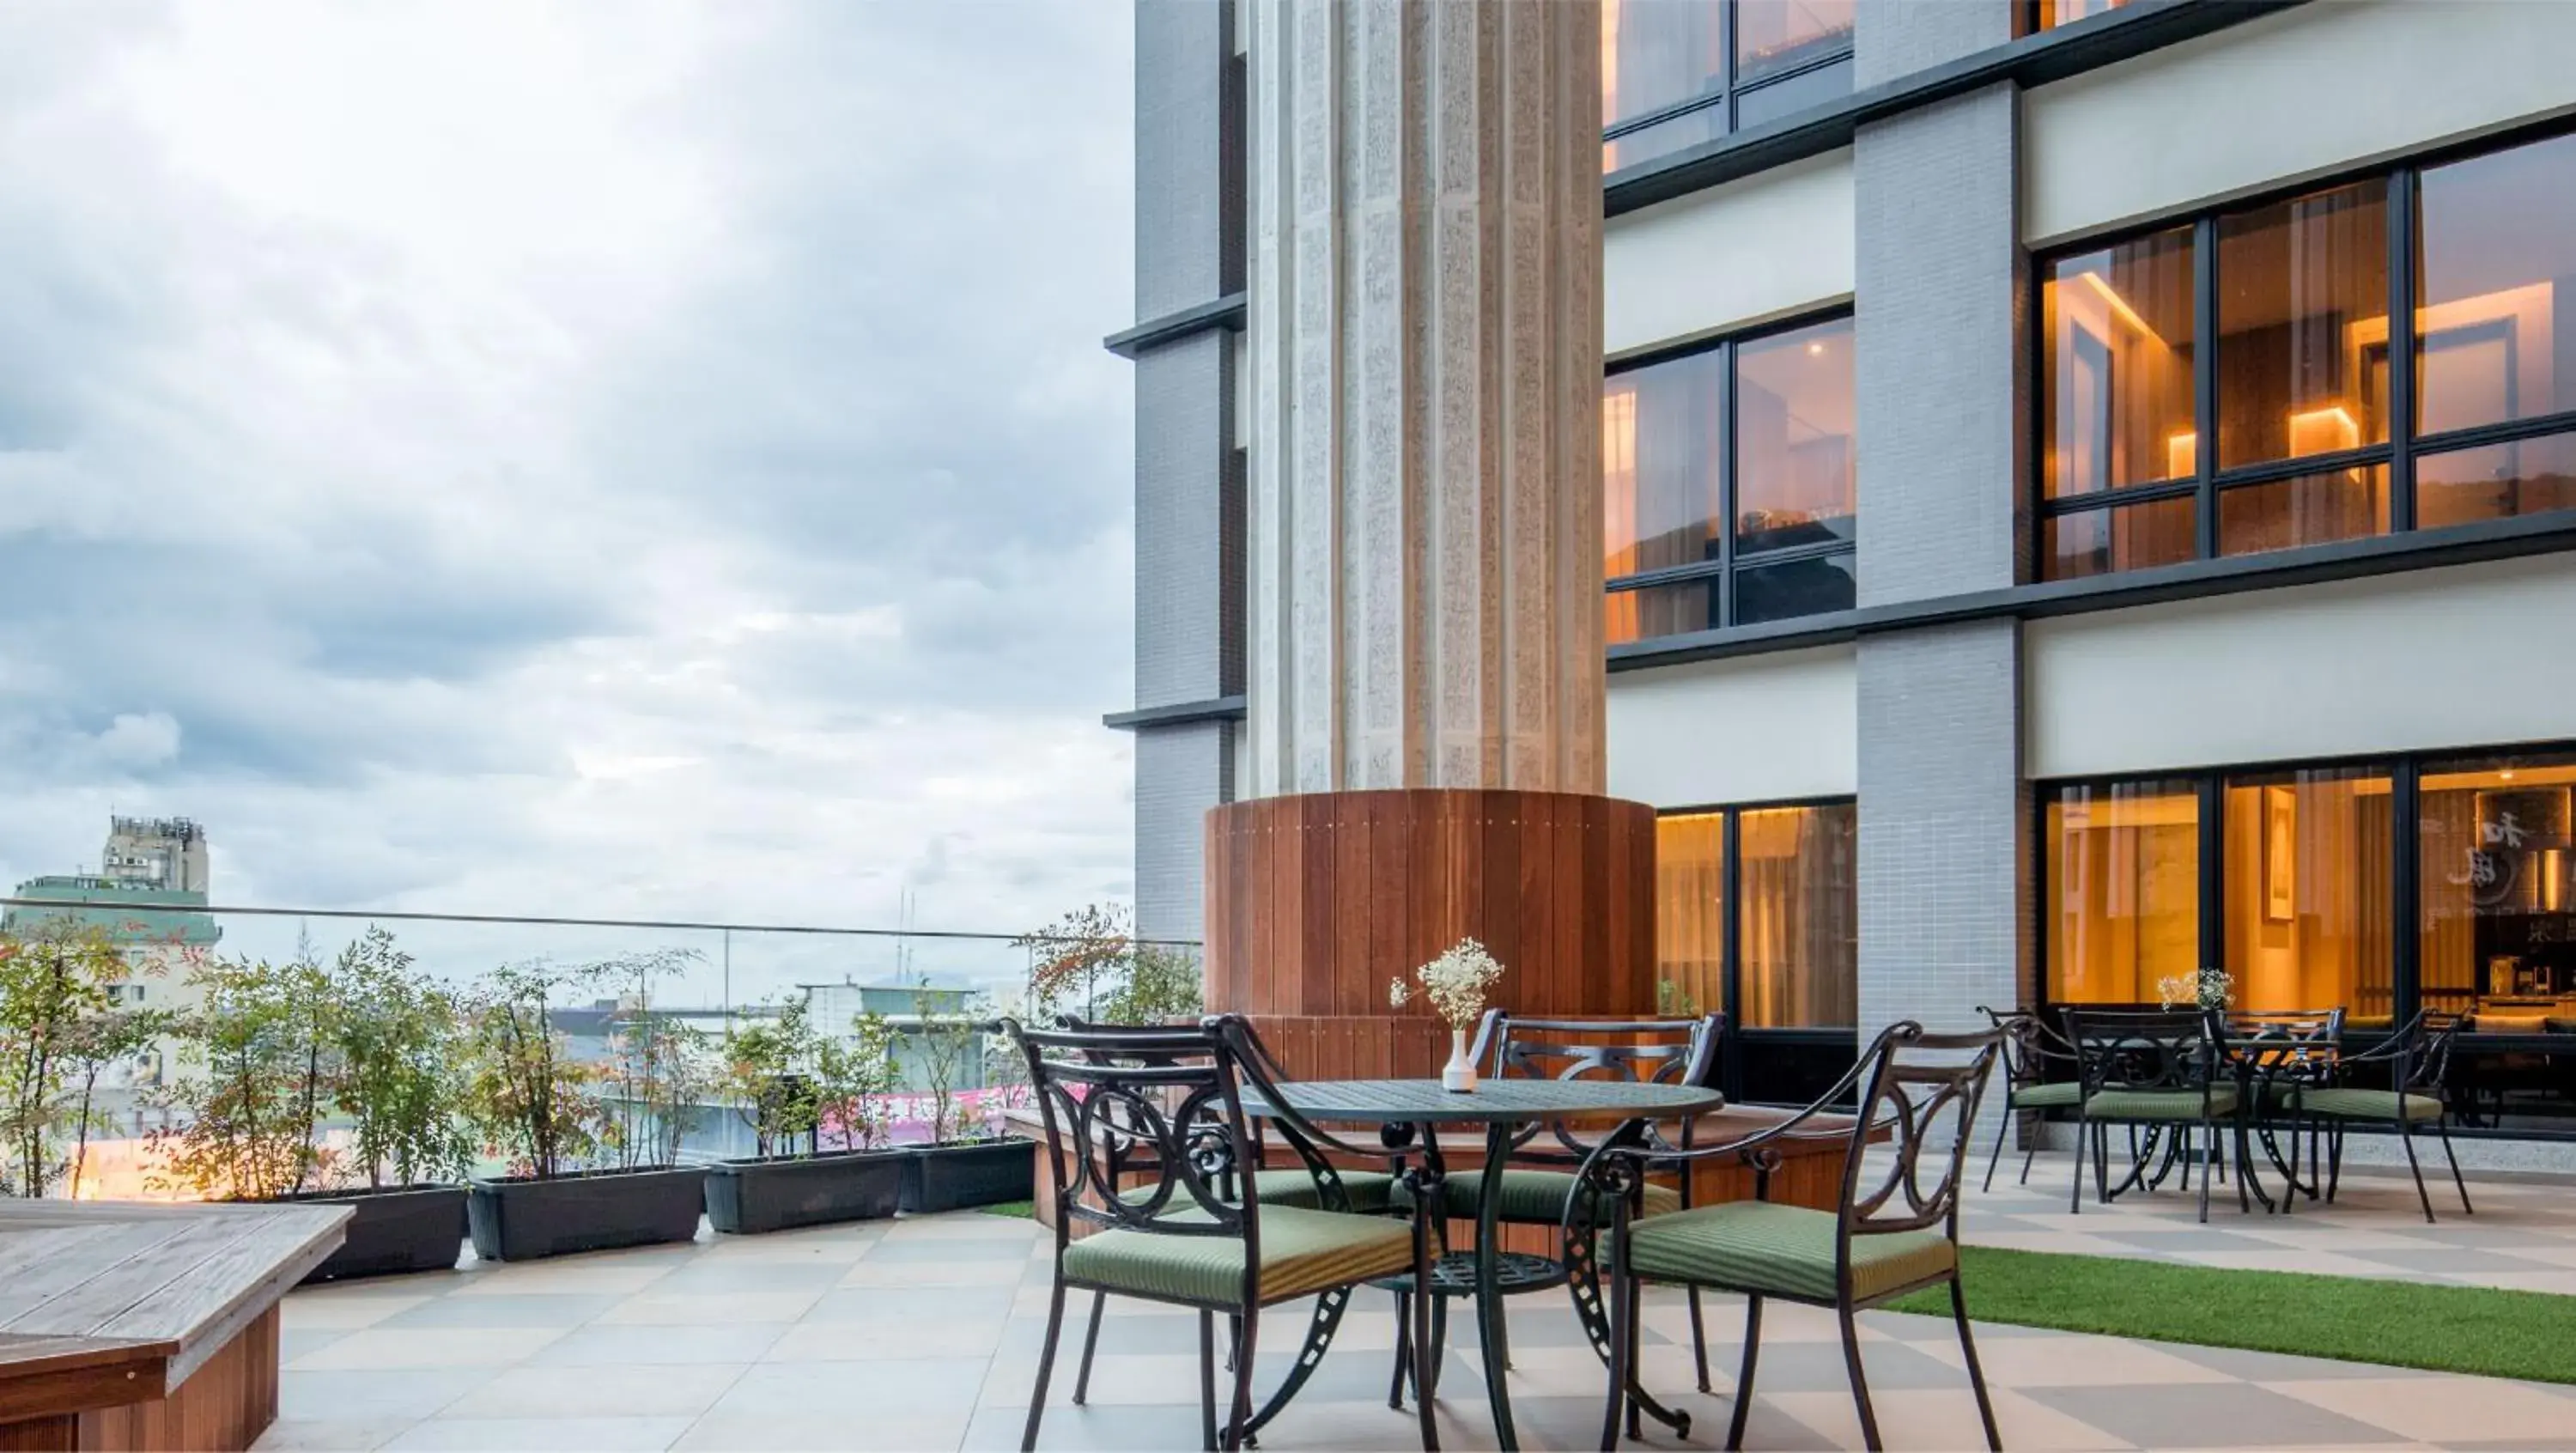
(2030, 1048)
(2419, 1062)
(2156, 1070)
(1541, 1174)
(1165, 1107)
(1895, 1229)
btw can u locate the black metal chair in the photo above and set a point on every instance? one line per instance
(2283, 1056)
(2159, 1070)
(1891, 1234)
(2030, 1047)
(2419, 1064)
(1165, 1107)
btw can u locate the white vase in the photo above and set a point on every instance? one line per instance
(1459, 1075)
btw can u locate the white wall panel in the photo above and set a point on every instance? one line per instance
(1748, 730)
(2316, 89)
(1769, 245)
(2470, 655)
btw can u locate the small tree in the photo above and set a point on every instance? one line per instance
(1090, 962)
(948, 1039)
(94, 1046)
(1162, 983)
(396, 1075)
(769, 1074)
(248, 1122)
(52, 981)
(852, 1077)
(658, 1069)
(539, 1107)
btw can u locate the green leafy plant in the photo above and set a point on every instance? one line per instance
(770, 1075)
(659, 1069)
(395, 1070)
(539, 1108)
(92, 1047)
(947, 1040)
(1089, 962)
(246, 1128)
(53, 981)
(852, 1077)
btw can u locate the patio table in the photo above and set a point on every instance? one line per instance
(1413, 1111)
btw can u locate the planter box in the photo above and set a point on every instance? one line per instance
(396, 1230)
(971, 1173)
(519, 1218)
(780, 1191)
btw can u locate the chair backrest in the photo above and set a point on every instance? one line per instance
(2155, 1049)
(2424, 1052)
(1159, 1107)
(1918, 1104)
(1654, 1051)
(2029, 1044)
(2287, 1044)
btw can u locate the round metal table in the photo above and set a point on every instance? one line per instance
(1502, 1107)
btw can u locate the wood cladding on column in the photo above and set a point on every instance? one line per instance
(1315, 901)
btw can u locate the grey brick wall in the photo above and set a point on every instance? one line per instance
(1892, 38)
(1184, 51)
(1181, 772)
(1185, 462)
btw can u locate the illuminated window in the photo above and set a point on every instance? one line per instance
(1690, 911)
(1668, 490)
(2307, 897)
(1800, 918)
(2497, 900)
(2285, 426)
(2048, 13)
(2122, 886)
(1675, 73)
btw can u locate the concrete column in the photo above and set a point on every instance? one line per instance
(1425, 314)
(1941, 363)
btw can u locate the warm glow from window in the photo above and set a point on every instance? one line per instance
(2122, 890)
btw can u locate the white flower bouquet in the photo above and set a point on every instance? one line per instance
(2207, 989)
(1455, 983)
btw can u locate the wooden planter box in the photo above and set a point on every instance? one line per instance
(520, 1218)
(773, 1193)
(974, 1173)
(392, 1232)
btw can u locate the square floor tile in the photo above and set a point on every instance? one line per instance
(328, 1435)
(603, 1346)
(912, 1251)
(911, 1306)
(685, 1390)
(2439, 1409)
(711, 1309)
(606, 1435)
(2214, 1415)
(368, 1396)
(559, 1310)
(378, 1348)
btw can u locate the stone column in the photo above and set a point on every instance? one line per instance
(1424, 684)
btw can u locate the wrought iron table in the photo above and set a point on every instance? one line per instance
(1410, 1114)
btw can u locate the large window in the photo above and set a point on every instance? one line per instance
(1756, 914)
(2122, 885)
(2223, 387)
(1728, 484)
(1675, 73)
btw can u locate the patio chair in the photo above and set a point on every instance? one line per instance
(1167, 1104)
(1544, 1160)
(1894, 1229)
(2419, 1061)
(2283, 1056)
(2159, 1070)
(2029, 1047)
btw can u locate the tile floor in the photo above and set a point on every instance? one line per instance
(925, 1334)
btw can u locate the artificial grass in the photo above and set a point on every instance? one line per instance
(1024, 1210)
(2479, 1330)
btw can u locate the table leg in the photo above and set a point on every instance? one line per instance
(1489, 1296)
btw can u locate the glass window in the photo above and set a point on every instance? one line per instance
(2130, 537)
(1789, 588)
(2498, 911)
(1661, 460)
(2311, 509)
(1662, 610)
(2118, 376)
(1672, 59)
(1780, 35)
(2303, 326)
(1659, 53)
(1793, 438)
(1690, 911)
(2497, 234)
(2067, 12)
(1800, 925)
(2307, 905)
(2122, 886)
(2498, 482)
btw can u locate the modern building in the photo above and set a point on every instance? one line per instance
(156, 852)
(2025, 577)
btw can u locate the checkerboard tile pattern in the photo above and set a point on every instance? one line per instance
(925, 1334)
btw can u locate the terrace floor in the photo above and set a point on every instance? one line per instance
(924, 1334)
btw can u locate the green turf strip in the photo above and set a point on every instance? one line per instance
(2354, 1319)
(1025, 1210)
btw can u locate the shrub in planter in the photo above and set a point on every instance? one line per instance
(965, 1163)
(789, 1082)
(592, 1149)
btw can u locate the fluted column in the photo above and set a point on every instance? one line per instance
(1425, 489)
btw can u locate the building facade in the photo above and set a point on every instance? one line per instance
(2026, 577)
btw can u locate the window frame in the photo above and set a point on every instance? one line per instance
(2405, 772)
(1842, 1042)
(2208, 484)
(1723, 571)
(1727, 97)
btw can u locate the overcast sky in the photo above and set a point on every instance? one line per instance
(601, 458)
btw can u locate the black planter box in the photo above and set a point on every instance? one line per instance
(393, 1231)
(974, 1173)
(780, 1191)
(519, 1218)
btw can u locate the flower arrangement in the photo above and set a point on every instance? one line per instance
(1455, 983)
(2206, 989)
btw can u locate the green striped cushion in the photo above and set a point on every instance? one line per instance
(1529, 1197)
(2055, 1094)
(2159, 1104)
(1760, 1246)
(2385, 1105)
(1370, 1190)
(1302, 1252)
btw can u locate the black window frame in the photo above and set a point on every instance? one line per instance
(2405, 772)
(1723, 571)
(1828, 1050)
(1727, 97)
(2208, 483)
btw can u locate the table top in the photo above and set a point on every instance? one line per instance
(1424, 1102)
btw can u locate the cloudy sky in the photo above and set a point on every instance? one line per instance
(600, 458)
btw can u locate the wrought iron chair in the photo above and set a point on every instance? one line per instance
(2157, 1069)
(2282, 1057)
(1545, 1158)
(1891, 1234)
(2419, 1061)
(2029, 1048)
(1167, 1104)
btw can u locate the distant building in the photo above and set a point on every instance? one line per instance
(905, 1007)
(156, 852)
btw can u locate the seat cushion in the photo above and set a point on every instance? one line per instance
(1528, 1197)
(1302, 1252)
(2383, 1105)
(2053, 1095)
(1759, 1246)
(2158, 1104)
(1369, 1190)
